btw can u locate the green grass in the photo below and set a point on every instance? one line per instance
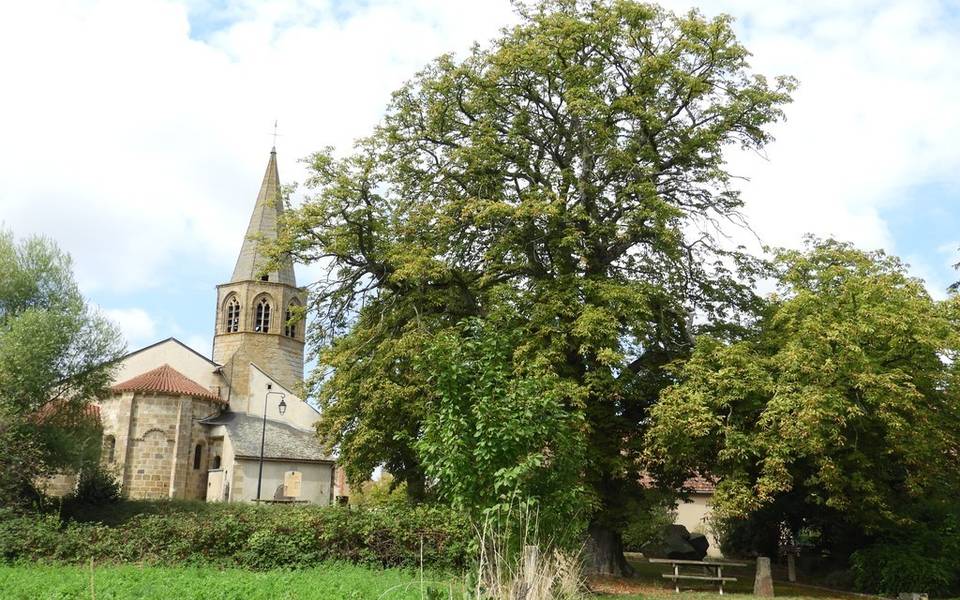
(328, 582)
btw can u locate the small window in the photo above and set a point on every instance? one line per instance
(262, 317)
(264, 278)
(231, 321)
(109, 447)
(216, 462)
(197, 455)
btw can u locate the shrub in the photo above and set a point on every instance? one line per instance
(247, 536)
(96, 485)
(646, 526)
(919, 559)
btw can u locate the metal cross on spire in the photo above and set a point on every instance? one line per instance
(275, 134)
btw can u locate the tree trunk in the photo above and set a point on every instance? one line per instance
(416, 489)
(603, 553)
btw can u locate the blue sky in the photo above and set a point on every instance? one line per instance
(137, 131)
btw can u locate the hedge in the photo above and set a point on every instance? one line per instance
(249, 537)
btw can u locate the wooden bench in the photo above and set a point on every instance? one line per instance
(716, 565)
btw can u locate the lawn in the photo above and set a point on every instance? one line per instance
(328, 582)
(331, 582)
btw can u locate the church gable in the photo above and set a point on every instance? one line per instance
(178, 356)
(297, 412)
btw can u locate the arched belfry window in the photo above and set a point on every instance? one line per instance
(289, 325)
(231, 315)
(261, 321)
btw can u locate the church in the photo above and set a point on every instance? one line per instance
(177, 424)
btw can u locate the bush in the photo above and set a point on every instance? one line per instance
(891, 569)
(920, 559)
(646, 526)
(97, 485)
(247, 536)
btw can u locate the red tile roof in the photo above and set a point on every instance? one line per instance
(696, 484)
(59, 412)
(166, 380)
(700, 485)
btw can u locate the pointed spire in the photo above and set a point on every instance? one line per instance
(263, 222)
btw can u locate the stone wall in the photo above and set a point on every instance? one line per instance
(316, 482)
(61, 484)
(196, 480)
(155, 437)
(148, 465)
(694, 514)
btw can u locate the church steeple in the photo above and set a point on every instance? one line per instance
(263, 224)
(254, 309)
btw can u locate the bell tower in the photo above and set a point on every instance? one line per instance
(255, 306)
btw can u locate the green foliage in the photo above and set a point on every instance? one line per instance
(647, 522)
(840, 411)
(333, 581)
(555, 176)
(96, 485)
(501, 430)
(906, 567)
(922, 557)
(384, 491)
(54, 358)
(246, 536)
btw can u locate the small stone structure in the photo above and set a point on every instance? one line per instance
(763, 583)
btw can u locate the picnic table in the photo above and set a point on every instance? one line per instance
(705, 567)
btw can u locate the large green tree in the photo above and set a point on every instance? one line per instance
(571, 174)
(55, 355)
(840, 412)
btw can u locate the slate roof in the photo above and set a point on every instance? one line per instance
(166, 380)
(283, 441)
(263, 223)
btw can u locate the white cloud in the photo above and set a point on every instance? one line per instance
(875, 113)
(140, 148)
(137, 326)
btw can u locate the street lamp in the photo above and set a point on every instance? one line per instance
(282, 407)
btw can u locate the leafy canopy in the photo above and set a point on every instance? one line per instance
(54, 358)
(568, 181)
(842, 405)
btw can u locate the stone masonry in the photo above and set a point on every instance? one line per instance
(280, 355)
(155, 436)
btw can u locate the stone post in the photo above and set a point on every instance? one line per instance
(763, 584)
(792, 567)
